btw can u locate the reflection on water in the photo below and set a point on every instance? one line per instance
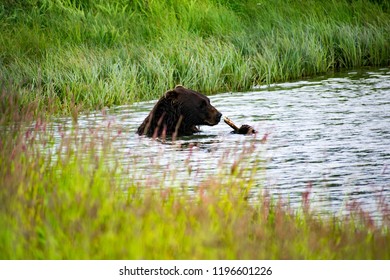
(330, 134)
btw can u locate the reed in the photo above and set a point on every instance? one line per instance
(105, 53)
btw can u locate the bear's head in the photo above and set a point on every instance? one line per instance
(179, 112)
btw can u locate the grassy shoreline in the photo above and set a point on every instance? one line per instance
(66, 56)
(104, 53)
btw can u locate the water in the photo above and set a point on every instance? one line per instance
(329, 135)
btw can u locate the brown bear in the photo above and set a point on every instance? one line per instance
(178, 113)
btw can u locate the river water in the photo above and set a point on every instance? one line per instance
(329, 136)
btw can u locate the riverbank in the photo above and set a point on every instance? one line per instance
(61, 200)
(92, 54)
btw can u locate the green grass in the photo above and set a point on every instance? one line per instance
(67, 56)
(103, 53)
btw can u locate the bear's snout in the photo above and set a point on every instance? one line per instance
(219, 115)
(215, 117)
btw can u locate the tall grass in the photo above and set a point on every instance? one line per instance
(103, 53)
(66, 202)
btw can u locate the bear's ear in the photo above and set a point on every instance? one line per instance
(171, 94)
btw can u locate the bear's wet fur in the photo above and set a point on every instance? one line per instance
(179, 113)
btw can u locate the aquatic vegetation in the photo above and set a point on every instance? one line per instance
(104, 53)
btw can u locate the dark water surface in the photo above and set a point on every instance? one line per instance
(329, 135)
